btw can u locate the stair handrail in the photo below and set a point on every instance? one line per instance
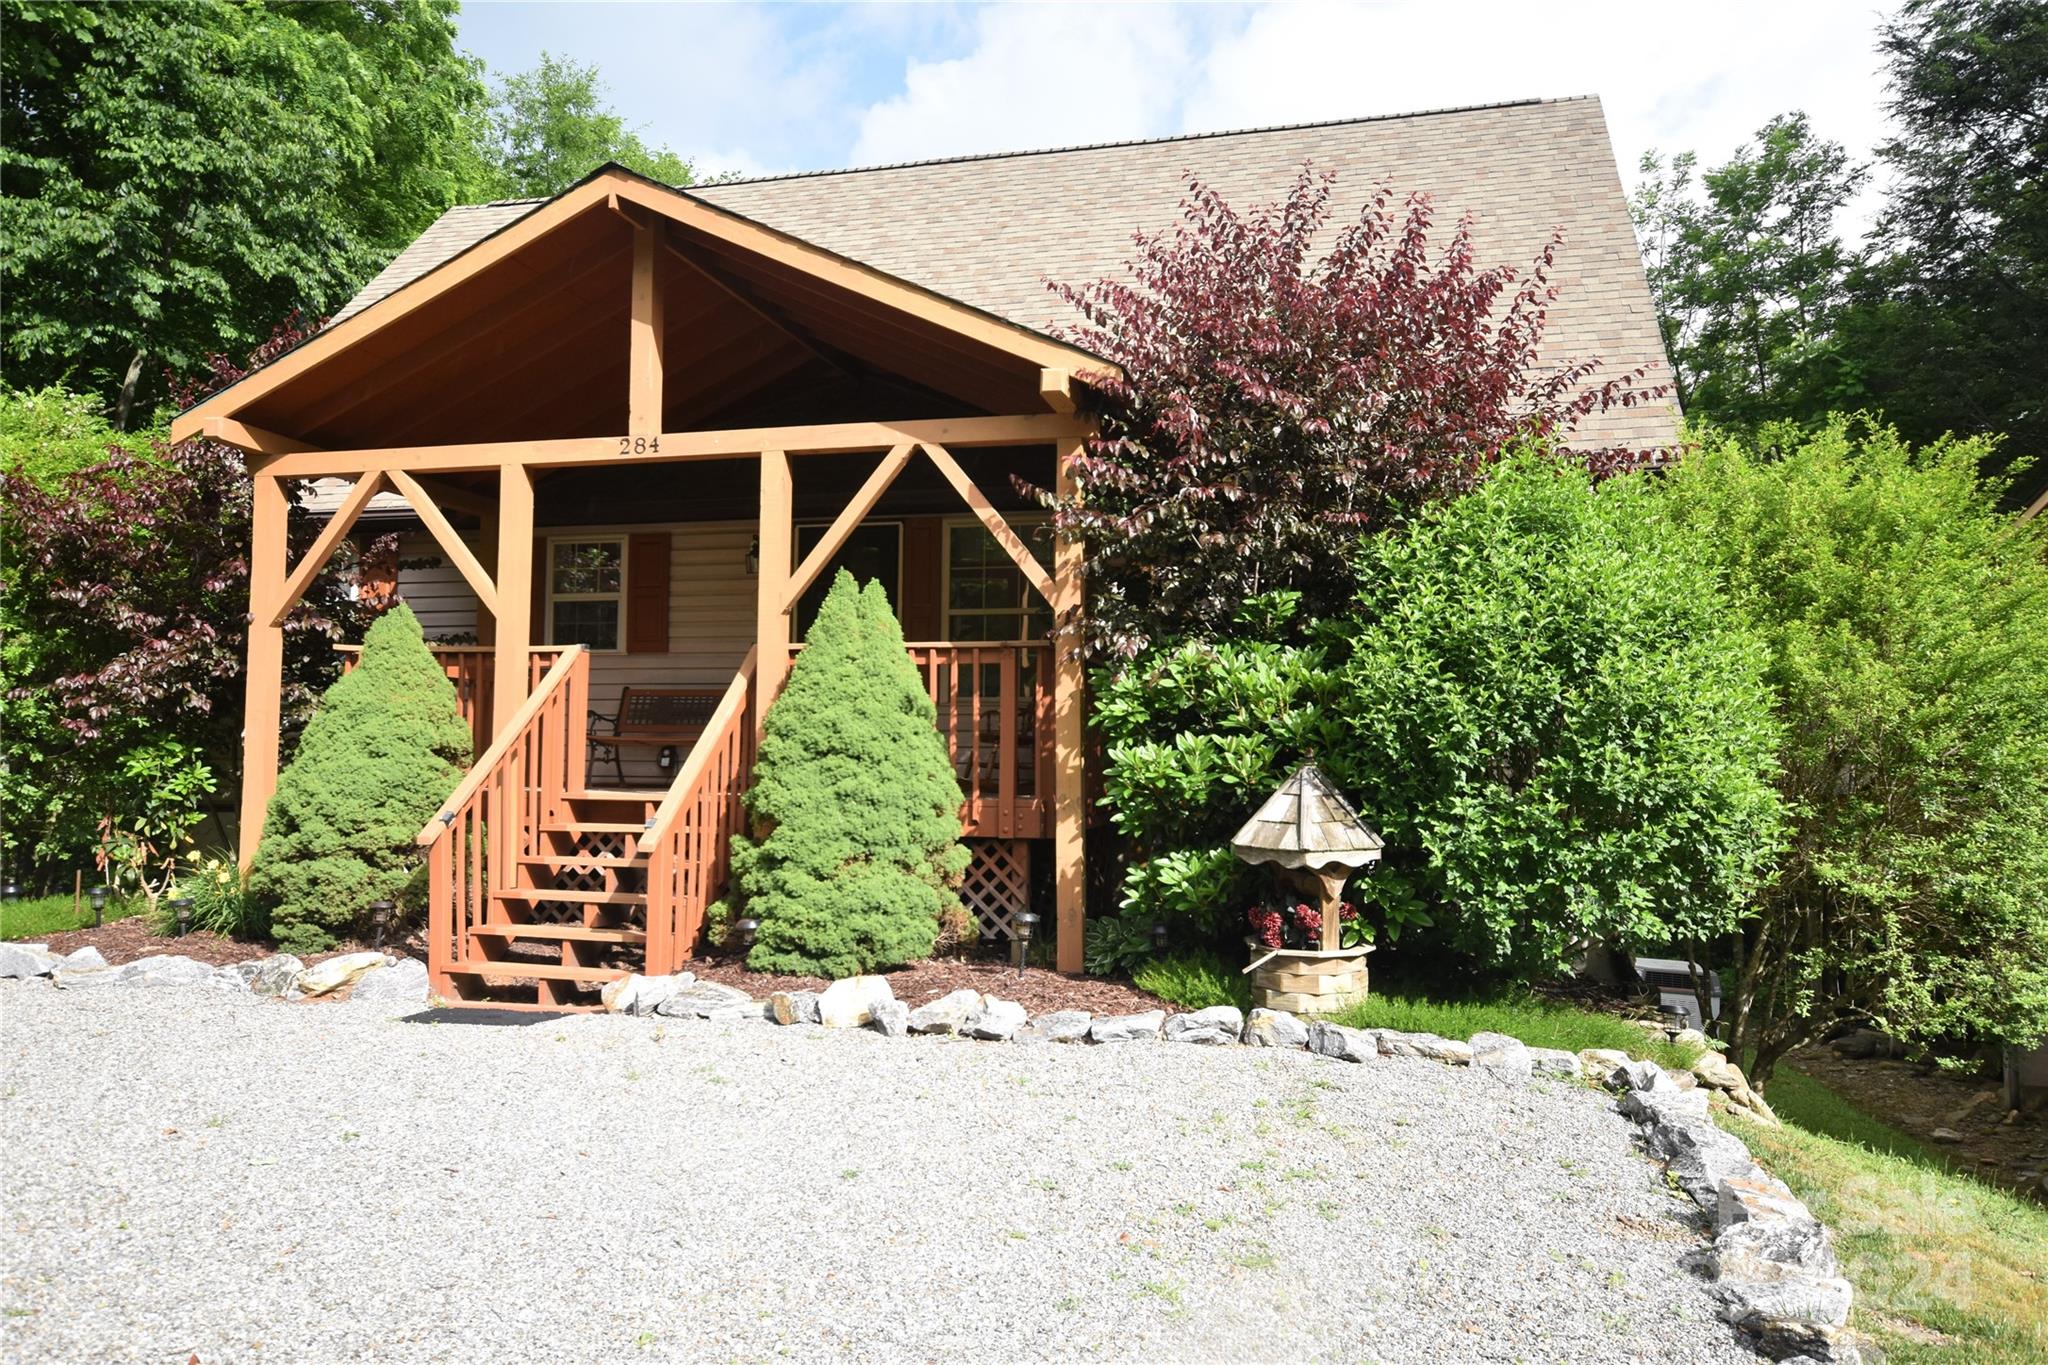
(722, 753)
(480, 771)
(732, 704)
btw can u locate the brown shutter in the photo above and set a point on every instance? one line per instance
(647, 574)
(541, 570)
(923, 539)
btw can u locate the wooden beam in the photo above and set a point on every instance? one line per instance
(843, 525)
(768, 313)
(263, 684)
(771, 617)
(461, 499)
(1013, 544)
(452, 544)
(253, 440)
(840, 438)
(324, 547)
(646, 333)
(512, 617)
(1056, 387)
(1070, 791)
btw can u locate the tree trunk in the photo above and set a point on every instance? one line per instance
(126, 402)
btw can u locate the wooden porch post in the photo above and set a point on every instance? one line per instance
(512, 622)
(263, 684)
(1069, 817)
(771, 617)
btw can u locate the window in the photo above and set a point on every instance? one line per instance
(873, 551)
(987, 596)
(586, 592)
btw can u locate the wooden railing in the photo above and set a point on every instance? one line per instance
(689, 838)
(994, 704)
(470, 668)
(495, 817)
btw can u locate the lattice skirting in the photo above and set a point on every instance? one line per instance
(998, 884)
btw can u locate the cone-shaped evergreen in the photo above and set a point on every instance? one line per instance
(383, 750)
(855, 801)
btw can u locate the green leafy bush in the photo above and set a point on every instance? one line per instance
(1906, 620)
(1194, 981)
(855, 859)
(383, 750)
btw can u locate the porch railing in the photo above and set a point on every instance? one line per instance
(689, 838)
(494, 818)
(994, 704)
(471, 669)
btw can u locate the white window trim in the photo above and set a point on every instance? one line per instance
(620, 596)
(1023, 525)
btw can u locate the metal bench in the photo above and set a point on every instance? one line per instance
(651, 718)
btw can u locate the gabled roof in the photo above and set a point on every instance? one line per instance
(989, 231)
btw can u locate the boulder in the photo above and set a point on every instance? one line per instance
(1716, 1072)
(706, 1000)
(1556, 1063)
(1425, 1045)
(402, 984)
(1697, 1154)
(1127, 1028)
(1649, 1106)
(1345, 1044)
(1689, 1037)
(850, 1001)
(159, 970)
(86, 959)
(23, 960)
(1275, 1028)
(1808, 1300)
(1602, 1062)
(891, 1018)
(1062, 1026)
(793, 1007)
(1645, 1075)
(639, 995)
(1501, 1057)
(1752, 1198)
(947, 1014)
(274, 975)
(336, 972)
(1861, 1044)
(997, 1021)
(1216, 1024)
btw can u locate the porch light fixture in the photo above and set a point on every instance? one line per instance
(754, 557)
(183, 906)
(744, 931)
(666, 759)
(98, 896)
(380, 920)
(1024, 924)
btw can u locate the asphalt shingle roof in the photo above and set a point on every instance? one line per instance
(990, 230)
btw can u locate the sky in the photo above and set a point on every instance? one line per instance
(762, 89)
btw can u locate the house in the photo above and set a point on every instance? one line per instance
(638, 426)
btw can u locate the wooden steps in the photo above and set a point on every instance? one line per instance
(560, 933)
(534, 971)
(528, 894)
(598, 827)
(555, 862)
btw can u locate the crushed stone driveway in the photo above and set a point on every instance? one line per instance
(195, 1174)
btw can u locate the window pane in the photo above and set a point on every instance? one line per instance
(587, 623)
(586, 566)
(870, 553)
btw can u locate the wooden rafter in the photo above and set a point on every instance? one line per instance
(768, 313)
(843, 525)
(647, 334)
(324, 547)
(461, 499)
(1056, 387)
(444, 534)
(1013, 544)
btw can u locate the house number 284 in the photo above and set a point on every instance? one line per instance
(639, 445)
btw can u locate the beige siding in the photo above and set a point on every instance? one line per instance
(711, 618)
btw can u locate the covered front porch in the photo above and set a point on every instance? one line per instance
(625, 534)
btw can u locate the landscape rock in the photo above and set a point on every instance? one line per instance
(1690, 1037)
(891, 1018)
(159, 970)
(1504, 1058)
(1753, 1198)
(639, 995)
(1127, 1028)
(1216, 1024)
(850, 1001)
(1640, 1075)
(998, 1020)
(1345, 1044)
(947, 1014)
(1945, 1135)
(1716, 1072)
(1862, 1044)
(1425, 1045)
(1555, 1062)
(274, 975)
(1602, 1062)
(1790, 1343)
(86, 959)
(1646, 1106)
(1275, 1028)
(336, 972)
(1698, 1155)
(1062, 1026)
(404, 983)
(1765, 1309)
(793, 1007)
(22, 960)
(706, 1000)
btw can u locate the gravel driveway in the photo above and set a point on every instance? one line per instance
(190, 1173)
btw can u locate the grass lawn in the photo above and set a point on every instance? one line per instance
(1538, 1023)
(44, 915)
(1946, 1267)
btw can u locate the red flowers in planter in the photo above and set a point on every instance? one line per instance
(1294, 926)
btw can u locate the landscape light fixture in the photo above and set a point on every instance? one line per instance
(183, 906)
(98, 895)
(1023, 925)
(380, 920)
(1159, 936)
(744, 931)
(11, 891)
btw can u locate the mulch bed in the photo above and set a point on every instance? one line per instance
(1037, 990)
(125, 940)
